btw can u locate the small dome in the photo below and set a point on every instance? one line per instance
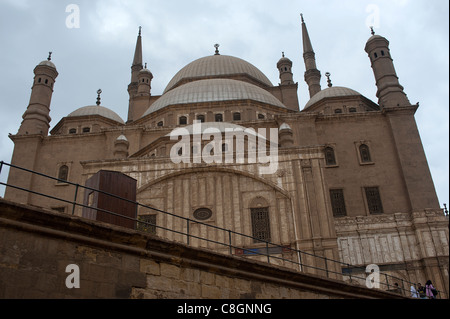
(214, 90)
(97, 110)
(48, 63)
(217, 66)
(284, 60)
(335, 91)
(145, 71)
(285, 126)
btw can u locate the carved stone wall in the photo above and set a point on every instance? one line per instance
(412, 247)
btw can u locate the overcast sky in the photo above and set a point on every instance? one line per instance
(98, 52)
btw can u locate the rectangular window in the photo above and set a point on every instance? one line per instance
(261, 224)
(147, 223)
(374, 200)
(338, 202)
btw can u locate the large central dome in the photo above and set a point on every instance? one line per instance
(219, 66)
(214, 90)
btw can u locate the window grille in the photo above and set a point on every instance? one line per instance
(147, 224)
(260, 224)
(330, 157)
(338, 202)
(374, 200)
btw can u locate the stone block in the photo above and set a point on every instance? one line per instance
(150, 267)
(210, 292)
(170, 271)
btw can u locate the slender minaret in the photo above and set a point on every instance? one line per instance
(312, 74)
(135, 69)
(36, 119)
(399, 113)
(390, 92)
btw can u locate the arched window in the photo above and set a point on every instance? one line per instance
(201, 118)
(330, 157)
(364, 153)
(63, 173)
(183, 120)
(73, 131)
(219, 118)
(236, 116)
(260, 219)
(260, 224)
(261, 116)
(161, 124)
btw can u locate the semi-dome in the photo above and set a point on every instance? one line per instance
(213, 90)
(217, 66)
(97, 110)
(335, 91)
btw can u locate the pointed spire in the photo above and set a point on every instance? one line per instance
(137, 61)
(307, 46)
(312, 74)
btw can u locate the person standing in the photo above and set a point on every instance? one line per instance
(414, 292)
(430, 290)
(421, 291)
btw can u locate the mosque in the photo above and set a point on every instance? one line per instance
(351, 180)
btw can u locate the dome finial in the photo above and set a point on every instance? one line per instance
(372, 31)
(140, 30)
(282, 53)
(49, 56)
(301, 15)
(328, 74)
(217, 48)
(98, 96)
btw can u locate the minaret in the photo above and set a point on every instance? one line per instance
(390, 92)
(285, 68)
(135, 69)
(399, 113)
(36, 119)
(312, 75)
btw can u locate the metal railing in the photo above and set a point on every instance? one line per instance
(265, 249)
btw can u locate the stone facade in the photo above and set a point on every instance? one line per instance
(352, 180)
(115, 263)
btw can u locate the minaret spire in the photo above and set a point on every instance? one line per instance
(312, 74)
(137, 60)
